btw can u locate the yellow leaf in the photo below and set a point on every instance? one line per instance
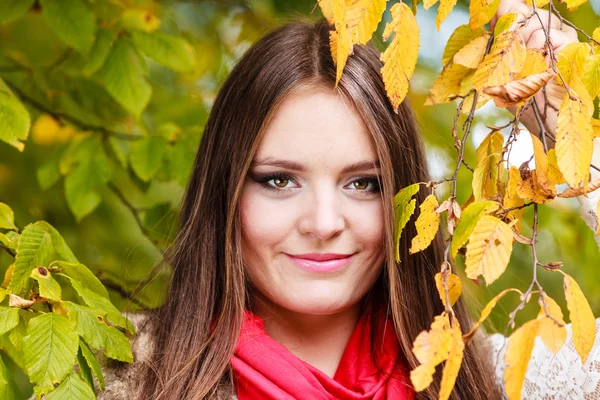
(489, 249)
(518, 90)
(487, 310)
(45, 130)
(427, 4)
(505, 60)
(518, 352)
(542, 165)
(400, 57)
(572, 5)
(454, 287)
(485, 177)
(482, 98)
(431, 348)
(468, 220)
(340, 41)
(596, 37)
(512, 199)
(505, 23)
(481, 12)
(444, 9)
(472, 53)
(362, 18)
(404, 207)
(528, 188)
(596, 127)
(327, 10)
(427, 224)
(459, 38)
(452, 365)
(571, 61)
(582, 319)
(574, 137)
(535, 63)
(591, 75)
(538, 3)
(492, 143)
(553, 171)
(446, 84)
(553, 335)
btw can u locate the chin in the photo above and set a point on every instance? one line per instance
(322, 301)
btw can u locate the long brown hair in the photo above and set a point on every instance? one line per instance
(197, 328)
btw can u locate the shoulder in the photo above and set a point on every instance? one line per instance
(554, 376)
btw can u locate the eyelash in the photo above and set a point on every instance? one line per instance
(263, 181)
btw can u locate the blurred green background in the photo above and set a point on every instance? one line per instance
(120, 231)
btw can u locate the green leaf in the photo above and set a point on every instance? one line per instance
(49, 288)
(124, 77)
(47, 175)
(8, 388)
(5, 240)
(7, 217)
(141, 20)
(171, 51)
(91, 172)
(34, 248)
(14, 118)
(90, 358)
(49, 349)
(72, 388)
(404, 207)
(16, 335)
(72, 20)
(92, 326)
(84, 368)
(469, 218)
(9, 318)
(146, 156)
(60, 246)
(105, 39)
(84, 276)
(97, 301)
(591, 75)
(2, 294)
(13, 9)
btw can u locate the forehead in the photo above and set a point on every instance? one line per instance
(317, 124)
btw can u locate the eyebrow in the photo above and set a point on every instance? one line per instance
(292, 165)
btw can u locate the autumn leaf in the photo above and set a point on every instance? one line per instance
(447, 84)
(519, 90)
(512, 199)
(591, 75)
(472, 53)
(505, 23)
(571, 62)
(505, 60)
(362, 18)
(582, 319)
(487, 310)
(327, 10)
(489, 157)
(518, 352)
(427, 224)
(529, 188)
(404, 207)
(340, 39)
(459, 38)
(572, 5)
(444, 9)
(538, 3)
(489, 249)
(554, 173)
(469, 218)
(481, 12)
(454, 287)
(400, 57)
(553, 335)
(453, 363)
(535, 63)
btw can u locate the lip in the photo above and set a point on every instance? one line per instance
(316, 262)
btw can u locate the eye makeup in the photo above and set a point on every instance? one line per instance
(372, 182)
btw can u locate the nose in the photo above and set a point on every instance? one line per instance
(322, 215)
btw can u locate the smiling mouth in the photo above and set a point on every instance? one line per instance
(321, 262)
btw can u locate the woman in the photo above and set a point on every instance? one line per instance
(284, 280)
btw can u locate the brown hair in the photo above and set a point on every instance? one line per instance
(198, 326)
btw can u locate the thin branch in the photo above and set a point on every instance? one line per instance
(9, 251)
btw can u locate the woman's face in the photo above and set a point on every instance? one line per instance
(311, 211)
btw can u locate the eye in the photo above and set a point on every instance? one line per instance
(365, 184)
(280, 182)
(275, 181)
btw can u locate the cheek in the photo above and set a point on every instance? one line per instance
(366, 223)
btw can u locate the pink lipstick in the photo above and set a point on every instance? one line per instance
(318, 262)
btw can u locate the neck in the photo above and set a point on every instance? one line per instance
(319, 340)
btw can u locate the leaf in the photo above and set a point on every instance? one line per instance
(400, 57)
(572, 5)
(15, 121)
(146, 156)
(485, 177)
(340, 39)
(519, 90)
(582, 319)
(459, 38)
(171, 51)
(452, 365)
(49, 350)
(487, 310)
(444, 9)
(512, 199)
(481, 12)
(542, 165)
(454, 287)
(473, 52)
(427, 224)
(105, 38)
(7, 217)
(571, 61)
(535, 63)
(362, 18)
(468, 220)
(574, 139)
(447, 84)
(518, 352)
(84, 276)
(553, 335)
(404, 207)
(553, 171)
(84, 369)
(92, 327)
(49, 288)
(591, 75)
(90, 358)
(60, 246)
(11, 10)
(8, 388)
(505, 23)
(72, 388)
(327, 10)
(124, 77)
(141, 20)
(72, 20)
(17, 334)
(9, 318)
(528, 188)
(34, 248)
(489, 249)
(505, 60)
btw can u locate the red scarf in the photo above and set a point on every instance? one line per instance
(265, 369)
